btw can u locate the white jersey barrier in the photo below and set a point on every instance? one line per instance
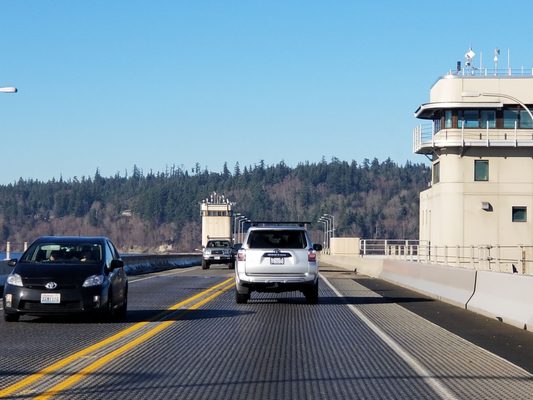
(449, 284)
(506, 297)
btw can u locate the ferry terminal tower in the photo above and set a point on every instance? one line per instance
(480, 143)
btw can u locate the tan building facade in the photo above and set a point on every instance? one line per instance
(216, 212)
(480, 143)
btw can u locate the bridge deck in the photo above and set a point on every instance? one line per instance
(374, 341)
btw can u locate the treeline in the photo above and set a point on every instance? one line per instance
(371, 199)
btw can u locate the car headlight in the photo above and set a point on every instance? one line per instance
(14, 280)
(93, 280)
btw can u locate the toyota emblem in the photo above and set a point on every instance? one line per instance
(50, 285)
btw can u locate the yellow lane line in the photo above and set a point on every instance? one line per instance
(88, 370)
(76, 356)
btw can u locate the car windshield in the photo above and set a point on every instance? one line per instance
(72, 253)
(218, 243)
(290, 239)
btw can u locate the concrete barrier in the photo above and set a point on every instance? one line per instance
(506, 297)
(135, 265)
(449, 284)
(144, 264)
(368, 265)
(503, 296)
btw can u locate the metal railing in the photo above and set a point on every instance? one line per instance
(8, 248)
(491, 72)
(425, 137)
(499, 258)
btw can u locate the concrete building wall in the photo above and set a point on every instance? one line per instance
(451, 87)
(216, 221)
(344, 246)
(451, 211)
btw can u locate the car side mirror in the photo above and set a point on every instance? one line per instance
(116, 264)
(317, 247)
(12, 262)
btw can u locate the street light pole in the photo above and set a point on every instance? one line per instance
(332, 224)
(235, 217)
(325, 230)
(8, 89)
(242, 228)
(505, 96)
(237, 226)
(328, 228)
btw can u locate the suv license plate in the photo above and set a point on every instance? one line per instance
(277, 260)
(50, 298)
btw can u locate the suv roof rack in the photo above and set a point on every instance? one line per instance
(281, 223)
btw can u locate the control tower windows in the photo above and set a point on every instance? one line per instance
(448, 119)
(470, 118)
(525, 120)
(488, 117)
(481, 170)
(519, 214)
(510, 118)
(436, 172)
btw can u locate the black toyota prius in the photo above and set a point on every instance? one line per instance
(66, 275)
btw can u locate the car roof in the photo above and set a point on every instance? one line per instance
(277, 228)
(72, 239)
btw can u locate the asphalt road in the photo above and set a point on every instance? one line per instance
(185, 337)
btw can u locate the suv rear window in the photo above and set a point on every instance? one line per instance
(292, 239)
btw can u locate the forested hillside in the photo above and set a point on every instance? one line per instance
(142, 211)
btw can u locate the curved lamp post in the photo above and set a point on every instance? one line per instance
(505, 96)
(325, 222)
(8, 89)
(241, 227)
(327, 232)
(332, 224)
(235, 217)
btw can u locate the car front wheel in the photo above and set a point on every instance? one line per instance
(121, 312)
(11, 317)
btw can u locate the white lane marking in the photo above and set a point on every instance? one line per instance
(181, 271)
(440, 389)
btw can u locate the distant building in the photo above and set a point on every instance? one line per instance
(480, 143)
(216, 212)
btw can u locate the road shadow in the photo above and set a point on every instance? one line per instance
(356, 300)
(136, 316)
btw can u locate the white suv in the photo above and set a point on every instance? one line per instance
(277, 259)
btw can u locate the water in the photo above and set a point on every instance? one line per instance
(14, 254)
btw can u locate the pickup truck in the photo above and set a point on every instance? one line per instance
(218, 251)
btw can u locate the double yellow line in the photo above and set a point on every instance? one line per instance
(206, 296)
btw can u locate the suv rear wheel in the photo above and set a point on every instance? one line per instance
(241, 298)
(311, 294)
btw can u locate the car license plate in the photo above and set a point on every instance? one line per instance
(277, 260)
(50, 298)
(217, 257)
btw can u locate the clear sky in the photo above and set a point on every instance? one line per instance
(111, 84)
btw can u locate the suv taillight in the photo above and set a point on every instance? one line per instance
(311, 255)
(241, 255)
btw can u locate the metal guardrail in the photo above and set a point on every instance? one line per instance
(492, 72)
(425, 137)
(499, 258)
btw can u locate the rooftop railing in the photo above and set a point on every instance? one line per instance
(499, 258)
(492, 72)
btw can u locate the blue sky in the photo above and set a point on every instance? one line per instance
(112, 84)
